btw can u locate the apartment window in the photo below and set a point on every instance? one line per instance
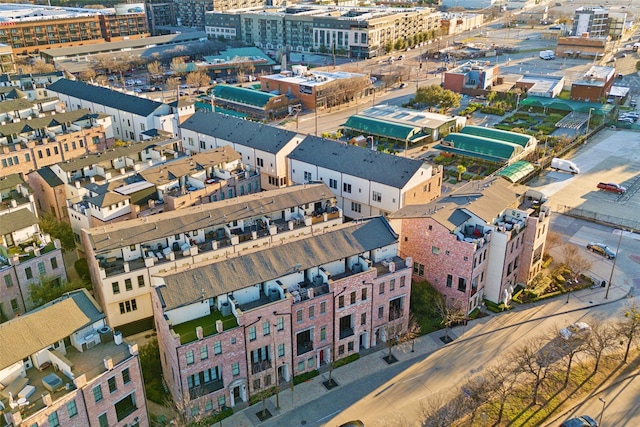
(126, 407)
(323, 333)
(449, 280)
(346, 187)
(141, 281)
(54, 263)
(392, 284)
(435, 250)
(364, 294)
(418, 269)
(402, 281)
(515, 263)
(128, 306)
(252, 333)
(266, 329)
(299, 316)
(97, 393)
(14, 304)
(356, 207)
(103, 421)
(353, 298)
(280, 350)
(127, 284)
(41, 268)
(217, 347)
(204, 352)
(126, 376)
(235, 369)
(377, 197)
(341, 301)
(350, 346)
(363, 319)
(259, 162)
(112, 384)
(72, 409)
(381, 288)
(323, 307)
(462, 284)
(8, 281)
(256, 382)
(509, 269)
(189, 356)
(222, 400)
(307, 176)
(333, 183)
(312, 312)
(380, 312)
(53, 419)
(341, 350)
(280, 323)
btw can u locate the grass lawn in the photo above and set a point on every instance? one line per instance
(187, 330)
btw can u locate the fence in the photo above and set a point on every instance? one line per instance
(627, 223)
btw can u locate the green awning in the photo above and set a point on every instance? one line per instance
(567, 105)
(477, 146)
(517, 171)
(240, 95)
(386, 129)
(501, 135)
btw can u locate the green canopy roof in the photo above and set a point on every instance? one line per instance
(477, 146)
(517, 171)
(567, 105)
(501, 135)
(385, 129)
(241, 95)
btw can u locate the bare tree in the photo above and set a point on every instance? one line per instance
(40, 66)
(393, 331)
(535, 361)
(178, 66)
(567, 349)
(477, 391)
(102, 80)
(154, 68)
(602, 338)
(554, 239)
(88, 75)
(575, 261)
(173, 84)
(197, 79)
(502, 378)
(441, 410)
(450, 311)
(629, 326)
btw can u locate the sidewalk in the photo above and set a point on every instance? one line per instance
(424, 345)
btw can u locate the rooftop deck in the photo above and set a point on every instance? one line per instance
(187, 330)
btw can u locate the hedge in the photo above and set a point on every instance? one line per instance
(496, 308)
(346, 360)
(306, 376)
(547, 262)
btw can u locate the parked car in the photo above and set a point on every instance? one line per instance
(400, 58)
(633, 103)
(602, 249)
(610, 186)
(581, 421)
(575, 330)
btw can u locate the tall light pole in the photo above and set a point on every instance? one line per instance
(586, 132)
(613, 267)
(604, 402)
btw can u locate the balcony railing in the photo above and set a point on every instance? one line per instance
(263, 365)
(304, 348)
(346, 332)
(204, 389)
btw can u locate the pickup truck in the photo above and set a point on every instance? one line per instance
(610, 186)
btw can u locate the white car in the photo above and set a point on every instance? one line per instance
(575, 330)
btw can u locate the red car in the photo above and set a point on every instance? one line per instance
(609, 186)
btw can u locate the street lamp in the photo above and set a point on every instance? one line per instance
(604, 402)
(613, 267)
(586, 132)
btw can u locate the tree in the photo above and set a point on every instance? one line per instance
(554, 239)
(178, 66)
(449, 100)
(58, 230)
(535, 360)
(603, 337)
(575, 261)
(393, 332)
(102, 80)
(569, 348)
(502, 379)
(49, 289)
(461, 169)
(88, 75)
(40, 66)
(155, 68)
(197, 79)
(173, 84)
(441, 410)
(629, 326)
(450, 311)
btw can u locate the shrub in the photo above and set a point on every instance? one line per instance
(306, 376)
(495, 308)
(548, 260)
(82, 268)
(346, 360)
(559, 278)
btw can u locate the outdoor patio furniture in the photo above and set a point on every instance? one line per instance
(52, 382)
(26, 392)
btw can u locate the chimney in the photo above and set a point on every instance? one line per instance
(46, 399)
(219, 328)
(392, 267)
(80, 381)
(108, 364)
(199, 333)
(77, 184)
(92, 179)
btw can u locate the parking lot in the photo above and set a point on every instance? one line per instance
(609, 156)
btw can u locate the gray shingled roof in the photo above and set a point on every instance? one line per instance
(217, 278)
(50, 178)
(110, 98)
(361, 162)
(44, 122)
(245, 132)
(9, 182)
(142, 230)
(38, 329)
(17, 220)
(486, 199)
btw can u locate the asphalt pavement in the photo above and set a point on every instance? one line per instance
(301, 398)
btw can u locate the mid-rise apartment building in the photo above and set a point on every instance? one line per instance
(358, 32)
(29, 28)
(365, 182)
(232, 327)
(123, 256)
(61, 365)
(478, 242)
(27, 256)
(263, 148)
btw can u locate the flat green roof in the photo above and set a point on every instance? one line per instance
(502, 135)
(385, 129)
(567, 105)
(517, 171)
(241, 95)
(477, 146)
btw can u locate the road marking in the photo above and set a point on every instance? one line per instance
(330, 415)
